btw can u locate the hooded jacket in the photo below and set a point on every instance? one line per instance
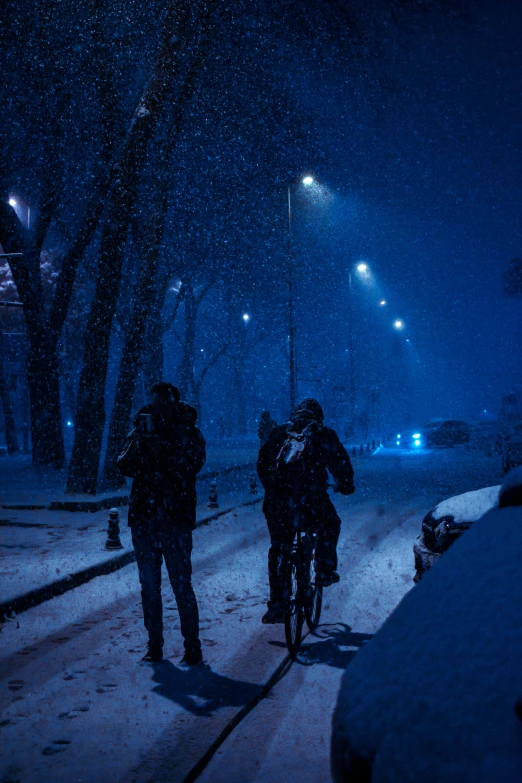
(172, 457)
(325, 453)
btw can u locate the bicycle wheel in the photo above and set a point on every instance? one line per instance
(294, 614)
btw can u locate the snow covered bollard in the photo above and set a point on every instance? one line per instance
(252, 483)
(113, 533)
(213, 495)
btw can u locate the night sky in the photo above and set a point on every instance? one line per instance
(409, 116)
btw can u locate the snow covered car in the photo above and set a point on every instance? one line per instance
(447, 522)
(435, 695)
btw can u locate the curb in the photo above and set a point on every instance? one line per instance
(41, 594)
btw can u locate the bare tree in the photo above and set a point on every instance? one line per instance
(44, 326)
(181, 36)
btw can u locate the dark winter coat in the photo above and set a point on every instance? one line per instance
(266, 425)
(170, 460)
(326, 453)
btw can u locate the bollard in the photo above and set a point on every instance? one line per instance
(354, 451)
(367, 448)
(113, 533)
(361, 449)
(213, 495)
(373, 445)
(252, 481)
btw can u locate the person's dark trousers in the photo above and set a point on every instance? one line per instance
(174, 544)
(328, 526)
(281, 539)
(328, 532)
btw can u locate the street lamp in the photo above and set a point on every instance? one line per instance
(246, 317)
(398, 324)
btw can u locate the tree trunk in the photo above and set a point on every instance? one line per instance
(83, 469)
(42, 372)
(9, 421)
(43, 380)
(186, 368)
(135, 332)
(152, 366)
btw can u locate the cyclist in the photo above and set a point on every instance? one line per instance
(293, 468)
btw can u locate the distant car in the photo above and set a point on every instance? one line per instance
(447, 522)
(445, 434)
(438, 433)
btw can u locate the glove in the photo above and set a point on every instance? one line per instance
(346, 489)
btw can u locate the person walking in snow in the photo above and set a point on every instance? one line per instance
(312, 450)
(266, 425)
(163, 456)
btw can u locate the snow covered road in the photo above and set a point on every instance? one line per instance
(76, 704)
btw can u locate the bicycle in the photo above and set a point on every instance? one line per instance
(303, 598)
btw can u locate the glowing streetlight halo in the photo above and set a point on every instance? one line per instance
(308, 180)
(246, 317)
(12, 202)
(398, 324)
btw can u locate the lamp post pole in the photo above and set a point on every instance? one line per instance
(292, 375)
(350, 352)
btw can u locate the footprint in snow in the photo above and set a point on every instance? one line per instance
(58, 746)
(107, 687)
(74, 713)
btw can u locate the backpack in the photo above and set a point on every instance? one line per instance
(293, 460)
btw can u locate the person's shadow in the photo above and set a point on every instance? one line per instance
(200, 690)
(329, 646)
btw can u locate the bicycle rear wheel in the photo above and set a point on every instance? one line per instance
(294, 612)
(314, 602)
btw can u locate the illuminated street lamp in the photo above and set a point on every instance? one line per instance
(398, 324)
(382, 303)
(246, 317)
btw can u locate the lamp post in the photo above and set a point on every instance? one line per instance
(307, 181)
(292, 374)
(363, 270)
(350, 352)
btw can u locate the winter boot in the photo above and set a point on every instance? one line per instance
(275, 614)
(193, 655)
(154, 653)
(326, 578)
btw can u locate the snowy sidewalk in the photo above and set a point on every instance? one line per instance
(44, 553)
(24, 486)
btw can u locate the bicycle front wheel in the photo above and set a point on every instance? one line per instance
(294, 613)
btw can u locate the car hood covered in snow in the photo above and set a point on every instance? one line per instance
(431, 697)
